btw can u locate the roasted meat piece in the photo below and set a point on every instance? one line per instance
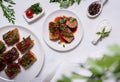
(72, 22)
(53, 31)
(27, 60)
(11, 55)
(12, 70)
(67, 35)
(11, 37)
(25, 44)
(2, 63)
(2, 47)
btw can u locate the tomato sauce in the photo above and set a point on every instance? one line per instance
(73, 30)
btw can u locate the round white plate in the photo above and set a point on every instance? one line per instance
(54, 45)
(30, 73)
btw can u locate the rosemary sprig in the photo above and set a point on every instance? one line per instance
(8, 10)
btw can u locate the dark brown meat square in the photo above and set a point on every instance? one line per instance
(2, 63)
(11, 37)
(27, 60)
(2, 47)
(11, 55)
(12, 70)
(25, 44)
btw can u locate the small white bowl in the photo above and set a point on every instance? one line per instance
(34, 18)
(93, 16)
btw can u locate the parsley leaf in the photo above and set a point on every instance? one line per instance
(8, 11)
(65, 3)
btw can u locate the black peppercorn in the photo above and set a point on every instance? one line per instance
(94, 8)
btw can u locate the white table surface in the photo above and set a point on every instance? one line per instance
(85, 49)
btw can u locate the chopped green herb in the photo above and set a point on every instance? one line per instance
(1, 55)
(25, 57)
(69, 34)
(1, 46)
(62, 20)
(59, 42)
(28, 63)
(12, 70)
(5, 35)
(64, 45)
(51, 30)
(23, 43)
(14, 36)
(36, 8)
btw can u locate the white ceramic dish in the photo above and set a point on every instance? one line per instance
(103, 24)
(29, 74)
(54, 45)
(35, 17)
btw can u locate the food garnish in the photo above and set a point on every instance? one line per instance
(11, 37)
(27, 60)
(103, 34)
(63, 29)
(29, 13)
(2, 47)
(12, 70)
(34, 9)
(25, 44)
(65, 3)
(11, 55)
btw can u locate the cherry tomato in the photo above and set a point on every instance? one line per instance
(29, 13)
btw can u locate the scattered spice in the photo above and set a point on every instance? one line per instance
(94, 8)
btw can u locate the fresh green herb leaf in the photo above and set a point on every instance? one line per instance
(14, 36)
(115, 49)
(101, 69)
(65, 79)
(9, 1)
(78, 1)
(36, 8)
(23, 44)
(65, 3)
(64, 45)
(103, 34)
(77, 76)
(59, 42)
(71, 2)
(8, 11)
(1, 46)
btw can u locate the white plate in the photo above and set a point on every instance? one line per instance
(29, 74)
(54, 45)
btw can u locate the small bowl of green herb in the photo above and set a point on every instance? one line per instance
(34, 12)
